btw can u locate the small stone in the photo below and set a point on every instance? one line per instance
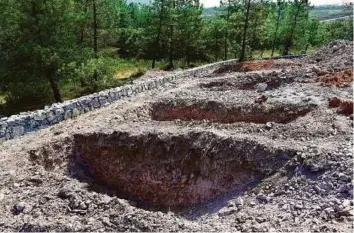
(252, 203)
(314, 168)
(20, 207)
(227, 211)
(105, 199)
(65, 192)
(82, 205)
(343, 177)
(50, 116)
(317, 207)
(106, 221)
(343, 188)
(318, 189)
(259, 219)
(262, 198)
(239, 201)
(261, 87)
(67, 114)
(76, 112)
(230, 204)
(329, 210)
(285, 207)
(36, 179)
(299, 207)
(269, 125)
(346, 203)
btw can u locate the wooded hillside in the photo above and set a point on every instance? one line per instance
(52, 50)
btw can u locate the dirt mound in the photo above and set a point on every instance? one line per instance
(339, 79)
(248, 66)
(345, 107)
(337, 54)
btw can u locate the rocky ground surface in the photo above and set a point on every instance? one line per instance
(304, 107)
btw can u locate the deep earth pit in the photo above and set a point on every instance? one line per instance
(176, 170)
(165, 169)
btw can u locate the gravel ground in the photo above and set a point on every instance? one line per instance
(311, 191)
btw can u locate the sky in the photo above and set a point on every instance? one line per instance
(211, 3)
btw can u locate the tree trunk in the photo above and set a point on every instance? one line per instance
(254, 35)
(82, 32)
(276, 31)
(216, 46)
(157, 42)
(307, 46)
(95, 26)
(55, 88)
(171, 40)
(262, 51)
(227, 30)
(187, 50)
(171, 48)
(46, 71)
(95, 36)
(243, 48)
(288, 39)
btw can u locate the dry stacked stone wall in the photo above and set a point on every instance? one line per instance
(23, 123)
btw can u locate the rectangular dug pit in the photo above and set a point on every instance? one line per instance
(221, 113)
(176, 170)
(249, 82)
(248, 66)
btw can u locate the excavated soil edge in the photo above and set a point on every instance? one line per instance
(165, 170)
(176, 170)
(249, 66)
(220, 113)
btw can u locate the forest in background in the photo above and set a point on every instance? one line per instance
(54, 50)
(321, 12)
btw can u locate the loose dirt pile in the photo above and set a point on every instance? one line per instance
(256, 65)
(338, 54)
(339, 78)
(345, 107)
(266, 150)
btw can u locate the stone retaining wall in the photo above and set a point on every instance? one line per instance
(17, 125)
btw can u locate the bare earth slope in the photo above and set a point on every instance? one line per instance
(258, 146)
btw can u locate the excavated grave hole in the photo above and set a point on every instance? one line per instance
(164, 170)
(246, 66)
(252, 85)
(250, 82)
(176, 170)
(256, 65)
(221, 113)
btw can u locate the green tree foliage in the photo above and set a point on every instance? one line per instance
(49, 48)
(37, 38)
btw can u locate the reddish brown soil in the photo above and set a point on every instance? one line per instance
(254, 65)
(339, 79)
(248, 66)
(345, 107)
